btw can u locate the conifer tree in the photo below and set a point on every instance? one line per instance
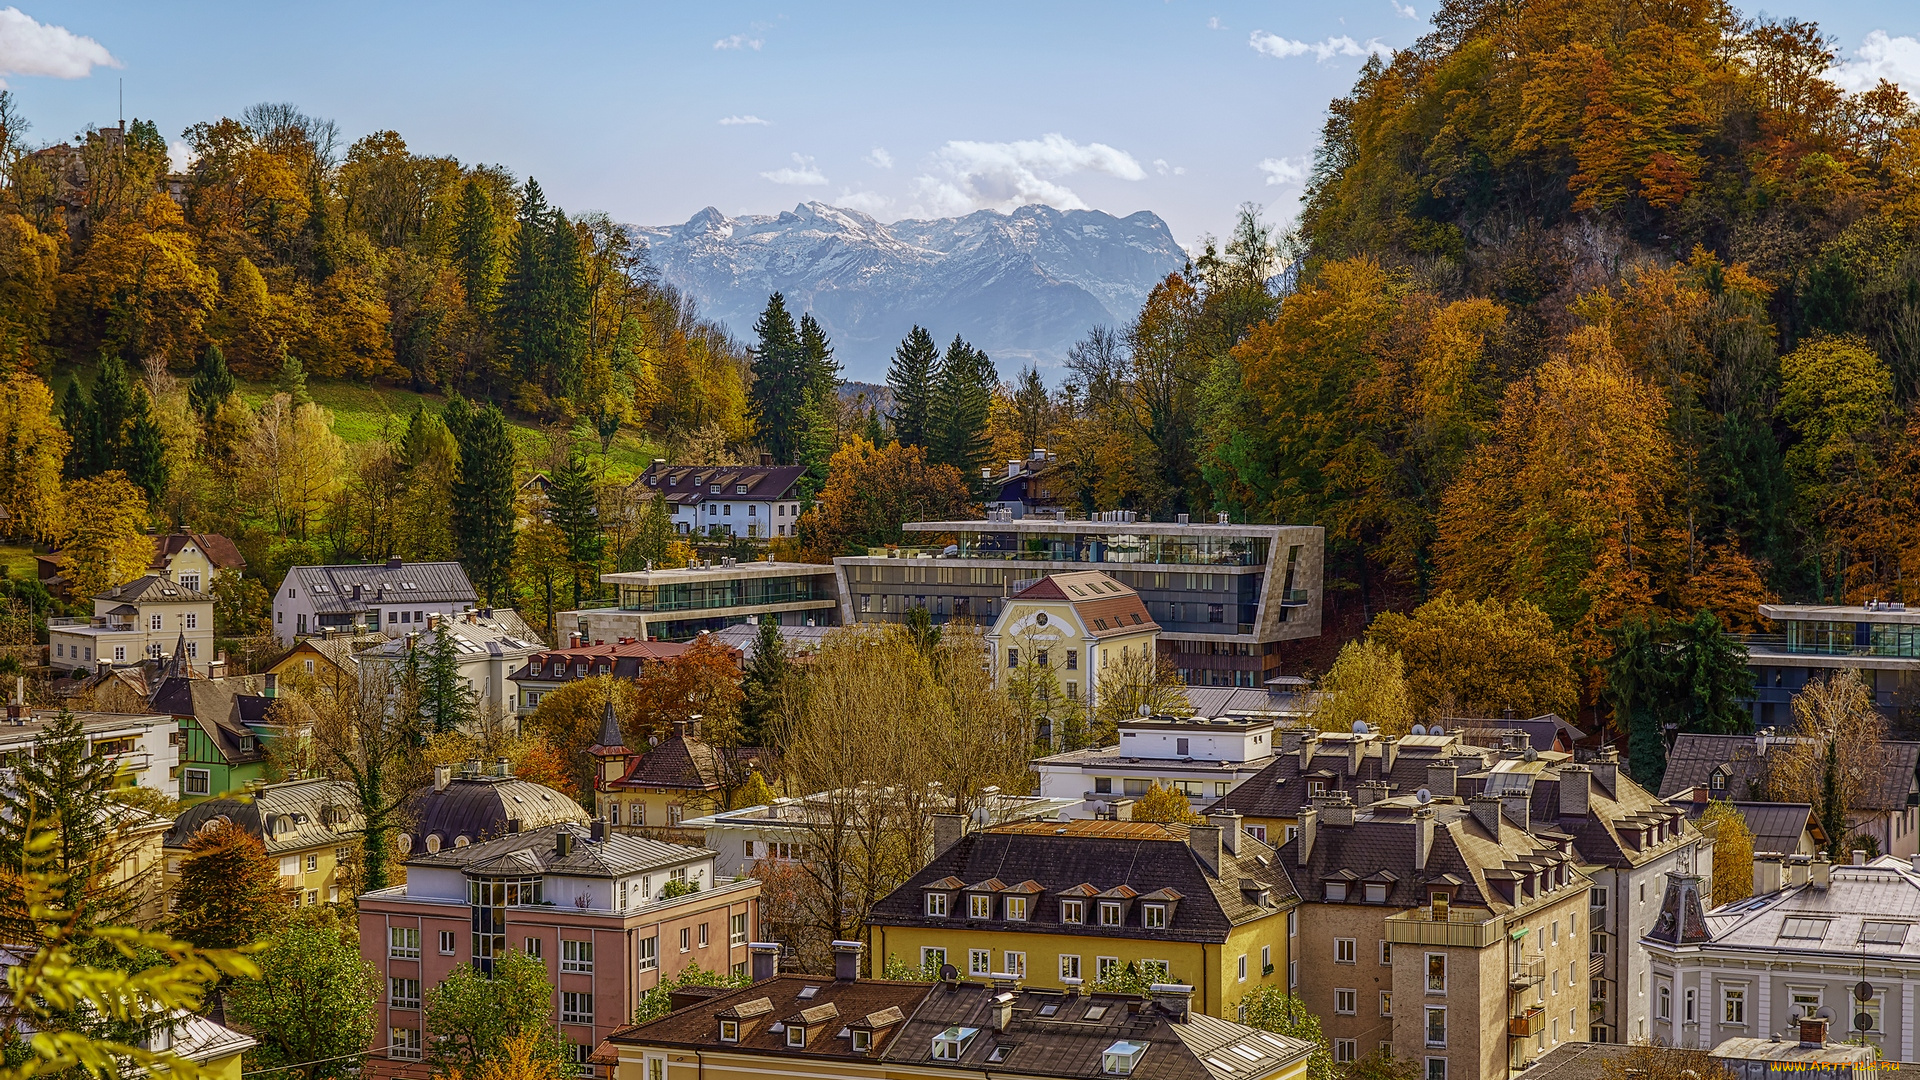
(565, 308)
(211, 385)
(911, 376)
(963, 397)
(764, 684)
(446, 702)
(483, 514)
(457, 416)
(112, 411)
(876, 432)
(62, 787)
(291, 379)
(523, 333)
(815, 426)
(229, 895)
(77, 417)
(145, 459)
(576, 512)
(779, 380)
(651, 539)
(476, 248)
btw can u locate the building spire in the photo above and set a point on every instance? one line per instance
(611, 741)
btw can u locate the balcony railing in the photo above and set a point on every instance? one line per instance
(1525, 974)
(1596, 965)
(1472, 928)
(1904, 646)
(1530, 1022)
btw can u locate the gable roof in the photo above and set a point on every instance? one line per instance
(1693, 759)
(690, 485)
(155, 589)
(331, 587)
(219, 550)
(1776, 827)
(685, 760)
(1280, 789)
(1104, 606)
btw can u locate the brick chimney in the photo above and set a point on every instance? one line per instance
(1519, 809)
(1230, 829)
(1175, 999)
(846, 960)
(1813, 1032)
(1422, 836)
(1576, 790)
(1372, 791)
(1606, 768)
(947, 831)
(1768, 873)
(1335, 807)
(1441, 778)
(1389, 755)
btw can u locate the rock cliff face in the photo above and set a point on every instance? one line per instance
(1023, 286)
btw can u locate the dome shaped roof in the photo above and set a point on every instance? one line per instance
(471, 805)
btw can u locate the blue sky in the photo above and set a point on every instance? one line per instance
(652, 111)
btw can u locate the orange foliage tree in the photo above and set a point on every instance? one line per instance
(871, 491)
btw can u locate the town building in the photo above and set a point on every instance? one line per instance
(1439, 929)
(1547, 732)
(327, 659)
(1735, 767)
(311, 828)
(683, 776)
(489, 645)
(840, 1026)
(610, 915)
(141, 745)
(1225, 596)
(133, 623)
(1811, 936)
(1046, 902)
(475, 803)
(396, 597)
(1045, 629)
(1780, 828)
(681, 604)
(550, 669)
(1287, 700)
(224, 730)
(802, 642)
(781, 831)
(1879, 639)
(197, 560)
(1029, 486)
(755, 501)
(1203, 758)
(216, 1049)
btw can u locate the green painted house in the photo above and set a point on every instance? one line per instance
(223, 732)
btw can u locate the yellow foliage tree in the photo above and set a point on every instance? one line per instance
(1732, 852)
(32, 447)
(140, 289)
(294, 463)
(29, 266)
(1481, 657)
(1367, 682)
(1165, 805)
(104, 542)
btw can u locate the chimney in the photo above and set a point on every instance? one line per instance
(1767, 876)
(1309, 827)
(1229, 821)
(395, 564)
(1205, 841)
(472, 767)
(1859, 856)
(1002, 1009)
(1122, 809)
(1486, 810)
(1389, 755)
(947, 831)
(764, 959)
(1013, 469)
(573, 640)
(271, 687)
(1175, 999)
(1422, 836)
(1606, 768)
(501, 767)
(513, 826)
(1307, 746)
(597, 831)
(1372, 791)
(1072, 984)
(1290, 739)
(1519, 810)
(1813, 1032)
(356, 592)
(1335, 808)
(1441, 776)
(442, 775)
(1576, 790)
(1797, 870)
(1916, 862)
(1823, 869)
(562, 844)
(1356, 752)
(846, 960)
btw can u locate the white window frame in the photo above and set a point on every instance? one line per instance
(576, 956)
(1346, 1001)
(1345, 950)
(403, 942)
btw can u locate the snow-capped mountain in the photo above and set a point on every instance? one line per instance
(1022, 286)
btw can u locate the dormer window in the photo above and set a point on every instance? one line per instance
(1122, 1058)
(1316, 787)
(862, 1040)
(1072, 911)
(937, 905)
(1153, 916)
(1337, 891)
(713, 489)
(1376, 892)
(246, 744)
(739, 489)
(1109, 914)
(1017, 909)
(951, 1043)
(979, 907)
(1718, 781)
(796, 1036)
(729, 1031)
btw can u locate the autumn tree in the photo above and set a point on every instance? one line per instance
(1129, 684)
(1367, 684)
(103, 533)
(871, 491)
(1162, 803)
(1480, 658)
(33, 447)
(1270, 1008)
(1732, 852)
(229, 895)
(312, 1005)
(473, 1016)
(1834, 756)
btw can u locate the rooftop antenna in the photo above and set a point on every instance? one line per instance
(123, 104)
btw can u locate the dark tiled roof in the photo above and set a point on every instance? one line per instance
(1105, 606)
(1590, 1061)
(1617, 808)
(699, 1025)
(688, 485)
(479, 807)
(623, 657)
(1692, 760)
(686, 761)
(219, 550)
(222, 708)
(1776, 827)
(331, 587)
(290, 816)
(1384, 839)
(1542, 731)
(1138, 856)
(536, 852)
(1280, 789)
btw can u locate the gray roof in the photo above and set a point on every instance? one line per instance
(1693, 759)
(1830, 919)
(331, 587)
(154, 588)
(286, 817)
(536, 852)
(502, 634)
(480, 807)
(1248, 701)
(745, 638)
(1776, 826)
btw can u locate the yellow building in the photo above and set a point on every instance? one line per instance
(146, 619)
(327, 660)
(215, 1048)
(1063, 633)
(1067, 904)
(310, 828)
(841, 1027)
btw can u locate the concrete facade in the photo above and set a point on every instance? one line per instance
(676, 605)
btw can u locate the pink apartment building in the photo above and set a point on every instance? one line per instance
(609, 914)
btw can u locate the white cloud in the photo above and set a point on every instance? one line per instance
(1895, 59)
(180, 155)
(28, 47)
(807, 174)
(1284, 170)
(1160, 166)
(739, 41)
(867, 202)
(745, 118)
(879, 159)
(1405, 11)
(1004, 175)
(1281, 48)
(1215, 23)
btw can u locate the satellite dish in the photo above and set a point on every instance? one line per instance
(949, 973)
(1423, 796)
(1435, 730)
(1863, 991)
(1825, 1013)
(1359, 727)
(1531, 754)
(1145, 710)
(980, 815)
(1862, 1021)
(1419, 729)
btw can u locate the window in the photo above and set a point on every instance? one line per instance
(1343, 950)
(313, 897)
(1884, 933)
(1803, 1001)
(1069, 966)
(1110, 914)
(649, 954)
(1597, 898)
(1663, 1002)
(1803, 929)
(933, 959)
(1072, 911)
(1017, 908)
(862, 1041)
(1734, 1005)
(979, 906)
(403, 943)
(403, 993)
(1872, 1009)
(1266, 959)
(199, 782)
(313, 863)
(576, 1008)
(190, 581)
(1346, 1050)
(1073, 659)
(737, 929)
(1436, 973)
(576, 956)
(1436, 1025)
(1153, 916)
(1120, 1058)
(1436, 1069)
(153, 622)
(1345, 1002)
(729, 1031)
(446, 943)
(120, 653)
(1040, 657)
(686, 939)
(1103, 966)
(1016, 963)
(1688, 1012)
(979, 961)
(1386, 952)
(1386, 1003)
(1013, 658)
(937, 904)
(703, 934)
(404, 1043)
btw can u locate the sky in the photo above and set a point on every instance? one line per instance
(651, 112)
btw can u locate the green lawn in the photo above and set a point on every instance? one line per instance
(18, 561)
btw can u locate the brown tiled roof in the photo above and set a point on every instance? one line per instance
(1105, 606)
(624, 658)
(1121, 859)
(685, 761)
(1280, 789)
(699, 1025)
(219, 550)
(687, 485)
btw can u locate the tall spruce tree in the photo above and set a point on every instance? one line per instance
(911, 377)
(575, 507)
(817, 424)
(476, 248)
(764, 684)
(446, 702)
(211, 385)
(525, 335)
(291, 379)
(115, 406)
(483, 515)
(779, 380)
(963, 398)
(76, 415)
(64, 788)
(566, 307)
(145, 458)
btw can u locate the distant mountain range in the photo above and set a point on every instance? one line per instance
(1022, 286)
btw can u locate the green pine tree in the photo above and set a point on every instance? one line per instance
(875, 432)
(457, 416)
(651, 538)
(483, 514)
(446, 701)
(779, 380)
(1641, 686)
(1718, 681)
(291, 379)
(963, 397)
(765, 683)
(524, 334)
(145, 458)
(476, 248)
(77, 417)
(575, 507)
(911, 377)
(64, 788)
(115, 405)
(566, 308)
(211, 385)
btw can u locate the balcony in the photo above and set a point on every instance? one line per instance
(1531, 1021)
(1527, 974)
(1597, 965)
(1294, 598)
(1469, 928)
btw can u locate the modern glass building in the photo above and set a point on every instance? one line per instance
(1224, 595)
(1880, 640)
(676, 605)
